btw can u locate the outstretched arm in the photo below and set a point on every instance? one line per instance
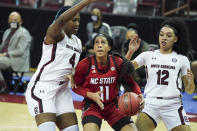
(134, 44)
(55, 30)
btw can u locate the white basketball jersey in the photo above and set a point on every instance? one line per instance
(164, 72)
(58, 59)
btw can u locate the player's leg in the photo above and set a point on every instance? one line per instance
(145, 122)
(175, 118)
(41, 106)
(117, 120)
(46, 121)
(66, 118)
(91, 123)
(147, 119)
(91, 116)
(182, 128)
(67, 122)
(129, 127)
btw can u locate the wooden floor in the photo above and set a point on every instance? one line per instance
(15, 117)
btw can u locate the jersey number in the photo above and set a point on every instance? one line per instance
(72, 60)
(106, 88)
(162, 76)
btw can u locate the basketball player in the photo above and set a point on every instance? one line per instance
(48, 95)
(96, 78)
(166, 67)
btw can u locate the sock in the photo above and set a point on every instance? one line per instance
(71, 128)
(47, 126)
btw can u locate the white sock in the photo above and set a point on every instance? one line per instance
(47, 126)
(71, 128)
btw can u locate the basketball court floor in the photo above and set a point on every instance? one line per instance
(14, 116)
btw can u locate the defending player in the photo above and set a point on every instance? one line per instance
(48, 95)
(166, 67)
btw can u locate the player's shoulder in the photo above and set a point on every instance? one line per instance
(183, 57)
(85, 61)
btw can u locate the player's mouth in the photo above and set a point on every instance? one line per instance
(164, 43)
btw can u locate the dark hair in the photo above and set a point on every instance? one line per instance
(60, 11)
(109, 39)
(182, 46)
(133, 26)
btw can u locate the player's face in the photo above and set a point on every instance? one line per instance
(71, 27)
(167, 38)
(101, 46)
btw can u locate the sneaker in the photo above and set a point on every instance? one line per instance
(194, 97)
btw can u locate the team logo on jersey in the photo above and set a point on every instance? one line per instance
(93, 71)
(112, 68)
(174, 60)
(92, 67)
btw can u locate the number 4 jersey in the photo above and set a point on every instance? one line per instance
(164, 72)
(58, 59)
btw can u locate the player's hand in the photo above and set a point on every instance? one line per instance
(190, 77)
(96, 98)
(142, 103)
(134, 43)
(70, 77)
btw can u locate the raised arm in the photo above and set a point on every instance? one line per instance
(54, 31)
(134, 44)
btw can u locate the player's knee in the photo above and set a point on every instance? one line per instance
(66, 120)
(45, 117)
(91, 127)
(144, 123)
(182, 128)
(47, 126)
(129, 127)
(71, 128)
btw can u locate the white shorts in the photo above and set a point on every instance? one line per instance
(169, 110)
(49, 97)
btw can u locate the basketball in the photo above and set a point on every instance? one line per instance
(129, 103)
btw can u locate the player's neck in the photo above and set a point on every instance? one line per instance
(102, 60)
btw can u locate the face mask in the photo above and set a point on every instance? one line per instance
(94, 18)
(14, 25)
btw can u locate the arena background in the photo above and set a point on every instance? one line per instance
(37, 21)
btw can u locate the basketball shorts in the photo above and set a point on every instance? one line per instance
(91, 112)
(172, 113)
(50, 97)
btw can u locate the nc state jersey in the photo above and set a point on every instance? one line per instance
(58, 59)
(103, 79)
(164, 72)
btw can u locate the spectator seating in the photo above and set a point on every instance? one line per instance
(148, 7)
(118, 35)
(104, 5)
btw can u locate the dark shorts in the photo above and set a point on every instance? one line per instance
(116, 119)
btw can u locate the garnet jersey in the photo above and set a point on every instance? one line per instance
(100, 78)
(58, 59)
(164, 72)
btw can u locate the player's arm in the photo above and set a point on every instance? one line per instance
(134, 44)
(54, 32)
(188, 81)
(79, 78)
